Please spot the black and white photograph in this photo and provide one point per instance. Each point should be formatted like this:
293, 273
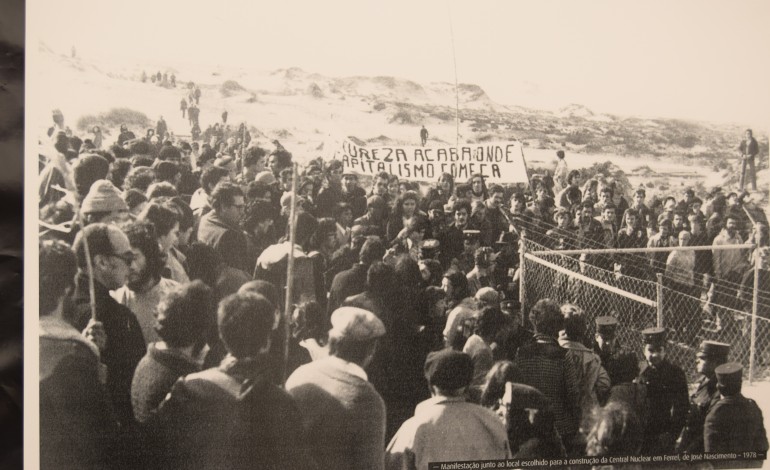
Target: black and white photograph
393, 235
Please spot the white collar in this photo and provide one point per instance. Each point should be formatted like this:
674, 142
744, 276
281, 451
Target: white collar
347, 367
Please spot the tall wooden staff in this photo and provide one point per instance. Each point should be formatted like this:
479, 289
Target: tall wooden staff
289, 304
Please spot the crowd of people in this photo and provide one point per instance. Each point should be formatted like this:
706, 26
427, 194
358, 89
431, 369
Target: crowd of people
164, 340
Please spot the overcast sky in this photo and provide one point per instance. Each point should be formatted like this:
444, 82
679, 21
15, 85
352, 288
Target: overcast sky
702, 59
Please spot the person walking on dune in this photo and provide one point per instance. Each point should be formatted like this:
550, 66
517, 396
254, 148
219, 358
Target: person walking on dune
749, 150
183, 106
423, 136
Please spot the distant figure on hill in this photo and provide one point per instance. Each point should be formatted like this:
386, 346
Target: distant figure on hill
158, 77
183, 106
224, 117
749, 150
423, 136
144, 76
173, 80
165, 78
197, 94
161, 128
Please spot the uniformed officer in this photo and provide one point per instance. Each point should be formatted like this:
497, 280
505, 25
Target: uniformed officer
710, 355
667, 393
734, 423
605, 345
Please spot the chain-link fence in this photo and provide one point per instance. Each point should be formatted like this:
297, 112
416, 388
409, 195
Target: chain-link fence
653, 287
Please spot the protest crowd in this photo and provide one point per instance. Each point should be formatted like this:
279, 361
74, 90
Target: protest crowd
164, 341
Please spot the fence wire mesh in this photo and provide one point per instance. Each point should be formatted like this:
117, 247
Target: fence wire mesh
683, 298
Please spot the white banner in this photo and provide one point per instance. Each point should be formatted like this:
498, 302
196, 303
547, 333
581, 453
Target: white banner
499, 162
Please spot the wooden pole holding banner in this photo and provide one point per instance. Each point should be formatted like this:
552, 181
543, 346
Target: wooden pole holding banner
289, 304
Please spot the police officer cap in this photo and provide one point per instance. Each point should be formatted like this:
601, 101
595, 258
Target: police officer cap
429, 247
729, 374
356, 323
606, 325
449, 369
713, 350
655, 336
471, 234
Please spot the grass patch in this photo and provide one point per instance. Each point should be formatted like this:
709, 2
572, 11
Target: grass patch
114, 118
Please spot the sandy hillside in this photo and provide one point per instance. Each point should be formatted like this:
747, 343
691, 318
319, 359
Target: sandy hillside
303, 110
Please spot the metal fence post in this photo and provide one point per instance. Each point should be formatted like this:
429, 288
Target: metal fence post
522, 272
659, 288
754, 304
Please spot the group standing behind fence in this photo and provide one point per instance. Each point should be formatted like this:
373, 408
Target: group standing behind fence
164, 321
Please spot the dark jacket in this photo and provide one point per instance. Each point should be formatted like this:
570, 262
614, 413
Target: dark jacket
543, 365
667, 392
230, 242
750, 148
220, 418
346, 284
77, 427
125, 343
701, 402
734, 424
356, 199
156, 373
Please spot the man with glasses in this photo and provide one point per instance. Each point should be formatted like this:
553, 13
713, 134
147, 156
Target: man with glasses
220, 227
111, 260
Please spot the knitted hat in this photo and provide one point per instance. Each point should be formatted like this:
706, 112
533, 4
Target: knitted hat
448, 369
103, 197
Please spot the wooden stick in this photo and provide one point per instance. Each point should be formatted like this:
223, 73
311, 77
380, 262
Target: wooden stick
289, 305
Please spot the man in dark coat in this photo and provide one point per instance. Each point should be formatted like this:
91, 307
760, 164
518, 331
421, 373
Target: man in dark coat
542, 364
734, 424
490, 218
711, 354
77, 427
111, 258
353, 280
353, 194
749, 150
231, 416
219, 228
667, 392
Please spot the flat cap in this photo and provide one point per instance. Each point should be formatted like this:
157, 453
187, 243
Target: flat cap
356, 323
429, 248
449, 369
713, 350
729, 374
606, 325
471, 234
655, 336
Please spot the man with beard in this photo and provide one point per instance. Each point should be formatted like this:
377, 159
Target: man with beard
667, 392
145, 285
490, 218
112, 261
353, 194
